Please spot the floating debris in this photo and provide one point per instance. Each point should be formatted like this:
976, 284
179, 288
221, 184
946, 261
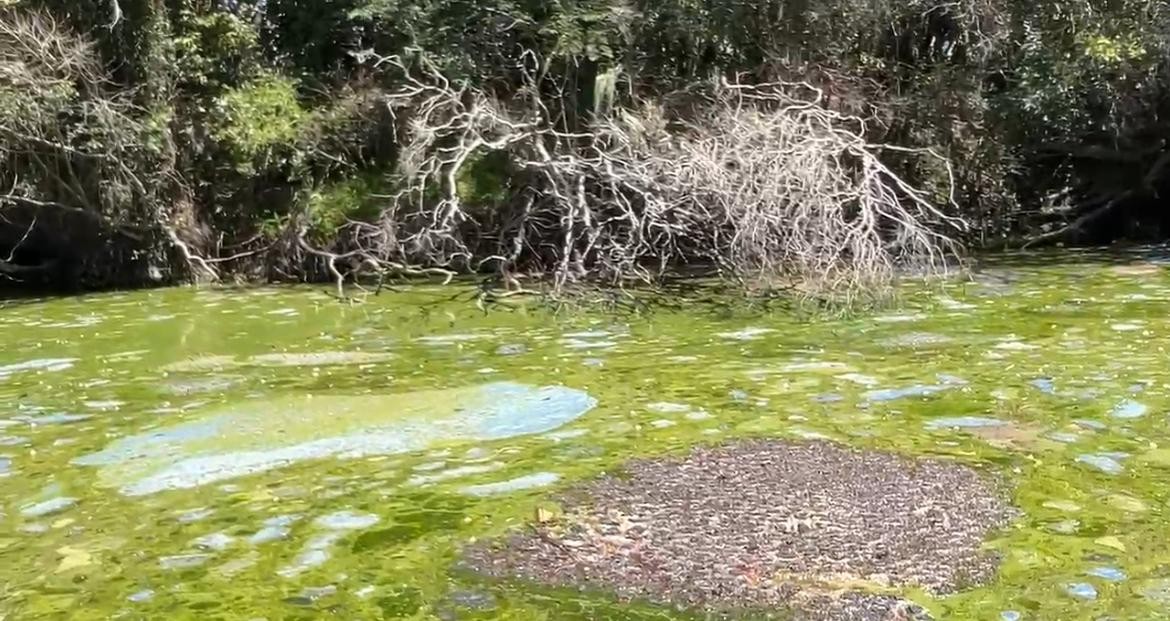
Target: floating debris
566, 434
109, 404
1067, 506
588, 334
73, 558
1065, 527
1157, 590
312, 594
952, 304
430, 466
946, 382
1094, 425
1126, 503
571, 343
469, 600
686, 531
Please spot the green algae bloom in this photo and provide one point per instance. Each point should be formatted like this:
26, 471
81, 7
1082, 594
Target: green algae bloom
1051, 374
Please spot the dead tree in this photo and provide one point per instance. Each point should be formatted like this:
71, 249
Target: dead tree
761, 182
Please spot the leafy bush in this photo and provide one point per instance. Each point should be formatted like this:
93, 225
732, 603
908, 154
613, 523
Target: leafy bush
330, 207
233, 114
262, 124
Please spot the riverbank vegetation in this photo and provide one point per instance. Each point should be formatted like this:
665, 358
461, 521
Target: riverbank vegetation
823, 145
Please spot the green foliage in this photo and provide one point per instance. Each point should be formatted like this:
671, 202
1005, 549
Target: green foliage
262, 123
361, 197
256, 111
216, 50
483, 181
597, 30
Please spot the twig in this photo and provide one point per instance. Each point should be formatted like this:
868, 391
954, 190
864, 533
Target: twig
189, 256
23, 238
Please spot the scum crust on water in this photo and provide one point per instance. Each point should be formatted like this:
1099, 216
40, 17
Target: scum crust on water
818, 529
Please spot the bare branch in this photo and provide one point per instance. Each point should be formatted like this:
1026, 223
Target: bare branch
763, 182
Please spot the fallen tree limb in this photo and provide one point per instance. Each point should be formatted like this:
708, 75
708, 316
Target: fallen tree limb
762, 182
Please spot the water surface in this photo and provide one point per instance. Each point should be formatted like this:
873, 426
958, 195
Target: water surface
270, 453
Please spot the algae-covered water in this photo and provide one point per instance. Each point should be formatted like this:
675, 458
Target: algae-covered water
273, 454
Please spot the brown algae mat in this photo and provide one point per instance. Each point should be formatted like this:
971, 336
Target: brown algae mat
814, 529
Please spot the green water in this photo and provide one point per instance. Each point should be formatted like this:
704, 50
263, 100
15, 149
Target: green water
1069, 357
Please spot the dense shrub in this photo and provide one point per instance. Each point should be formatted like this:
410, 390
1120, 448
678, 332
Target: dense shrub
248, 130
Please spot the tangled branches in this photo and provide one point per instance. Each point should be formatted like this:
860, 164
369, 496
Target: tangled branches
57, 122
760, 182
72, 147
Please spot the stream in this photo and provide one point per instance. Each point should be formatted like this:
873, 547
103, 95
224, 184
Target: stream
270, 453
